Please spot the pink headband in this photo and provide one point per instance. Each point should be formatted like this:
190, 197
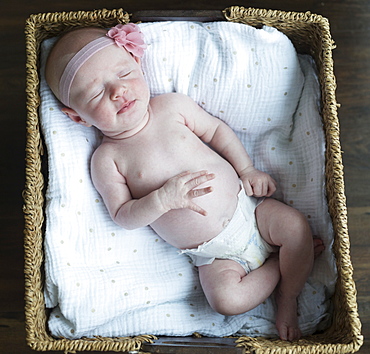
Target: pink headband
126, 36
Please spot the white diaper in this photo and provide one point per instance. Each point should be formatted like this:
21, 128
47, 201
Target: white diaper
240, 241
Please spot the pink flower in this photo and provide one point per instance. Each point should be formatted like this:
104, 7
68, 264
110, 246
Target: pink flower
130, 37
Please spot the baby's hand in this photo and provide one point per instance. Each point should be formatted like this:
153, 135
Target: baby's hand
178, 192
257, 183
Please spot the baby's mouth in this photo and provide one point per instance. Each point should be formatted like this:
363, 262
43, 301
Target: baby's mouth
126, 107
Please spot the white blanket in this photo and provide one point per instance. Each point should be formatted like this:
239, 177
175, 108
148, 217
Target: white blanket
104, 280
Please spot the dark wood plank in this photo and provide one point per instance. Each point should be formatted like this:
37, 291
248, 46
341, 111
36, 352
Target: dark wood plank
350, 29
190, 345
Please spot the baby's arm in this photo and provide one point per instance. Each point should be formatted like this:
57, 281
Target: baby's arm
228, 145
178, 192
223, 139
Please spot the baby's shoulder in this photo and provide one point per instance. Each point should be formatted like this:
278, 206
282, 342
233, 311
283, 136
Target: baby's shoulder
103, 154
104, 162
172, 99
171, 105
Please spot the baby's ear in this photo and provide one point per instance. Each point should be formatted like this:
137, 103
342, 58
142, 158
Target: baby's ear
71, 113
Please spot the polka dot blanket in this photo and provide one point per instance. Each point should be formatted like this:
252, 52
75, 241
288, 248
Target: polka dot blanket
103, 280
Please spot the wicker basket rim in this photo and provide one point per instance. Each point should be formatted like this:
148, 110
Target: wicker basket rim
37, 336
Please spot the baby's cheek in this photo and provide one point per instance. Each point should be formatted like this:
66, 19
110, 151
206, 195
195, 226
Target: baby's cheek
143, 87
102, 111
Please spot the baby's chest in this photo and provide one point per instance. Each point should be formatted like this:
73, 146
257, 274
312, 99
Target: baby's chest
155, 159
164, 145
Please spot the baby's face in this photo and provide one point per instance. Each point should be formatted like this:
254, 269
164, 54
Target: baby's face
109, 92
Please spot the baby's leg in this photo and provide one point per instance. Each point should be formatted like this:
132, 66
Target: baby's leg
287, 228
230, 291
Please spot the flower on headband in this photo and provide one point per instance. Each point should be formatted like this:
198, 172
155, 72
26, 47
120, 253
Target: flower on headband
130, 37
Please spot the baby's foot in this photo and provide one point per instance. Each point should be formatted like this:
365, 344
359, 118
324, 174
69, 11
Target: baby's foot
287, 318
318, 246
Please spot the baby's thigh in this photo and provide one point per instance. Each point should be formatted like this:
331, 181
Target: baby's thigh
219, 273
276, 221
221, 283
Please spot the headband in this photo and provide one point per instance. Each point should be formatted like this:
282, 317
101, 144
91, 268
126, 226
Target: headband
126, 36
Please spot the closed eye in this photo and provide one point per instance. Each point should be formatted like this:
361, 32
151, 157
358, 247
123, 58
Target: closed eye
98, 94
124, 74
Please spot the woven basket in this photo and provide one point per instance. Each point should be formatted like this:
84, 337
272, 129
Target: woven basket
310, 34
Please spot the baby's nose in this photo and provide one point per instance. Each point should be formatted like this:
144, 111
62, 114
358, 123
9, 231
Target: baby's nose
117, 91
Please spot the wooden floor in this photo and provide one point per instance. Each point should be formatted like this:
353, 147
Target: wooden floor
350, 27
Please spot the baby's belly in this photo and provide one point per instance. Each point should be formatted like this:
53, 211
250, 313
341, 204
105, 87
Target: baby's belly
184, 228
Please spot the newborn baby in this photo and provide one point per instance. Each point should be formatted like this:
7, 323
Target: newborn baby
167, 163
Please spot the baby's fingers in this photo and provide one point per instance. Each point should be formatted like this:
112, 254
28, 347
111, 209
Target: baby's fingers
271, 188
248, 189
198, 178
197, 209
194, 193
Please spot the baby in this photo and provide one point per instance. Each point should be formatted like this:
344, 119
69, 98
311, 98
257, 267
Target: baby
167, 163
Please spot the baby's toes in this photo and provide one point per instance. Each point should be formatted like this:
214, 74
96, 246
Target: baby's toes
283, 332
294, 333
318, 247
289, 333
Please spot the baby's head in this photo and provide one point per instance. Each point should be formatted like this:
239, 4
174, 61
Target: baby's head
97, 75
74, 48
63, 51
